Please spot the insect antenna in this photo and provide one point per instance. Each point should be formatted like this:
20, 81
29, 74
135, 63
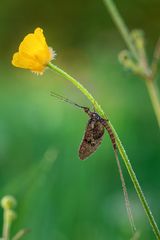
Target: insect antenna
60, 97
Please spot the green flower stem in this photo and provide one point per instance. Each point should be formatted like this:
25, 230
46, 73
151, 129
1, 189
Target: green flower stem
153, 92
79, 86
119, 144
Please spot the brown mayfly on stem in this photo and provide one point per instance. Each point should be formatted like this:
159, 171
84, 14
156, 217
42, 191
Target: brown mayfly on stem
94, 131
92, 139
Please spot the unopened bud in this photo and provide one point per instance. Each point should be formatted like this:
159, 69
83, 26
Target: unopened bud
126, 60
8, 202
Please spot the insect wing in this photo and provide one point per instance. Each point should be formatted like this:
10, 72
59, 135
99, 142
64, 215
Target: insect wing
92, 138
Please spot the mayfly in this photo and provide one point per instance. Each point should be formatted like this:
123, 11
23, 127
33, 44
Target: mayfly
94, 132
92, 139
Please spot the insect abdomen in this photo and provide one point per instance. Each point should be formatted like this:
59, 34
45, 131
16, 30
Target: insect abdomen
110, 132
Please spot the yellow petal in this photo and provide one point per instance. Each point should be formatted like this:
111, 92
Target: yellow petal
34, 53
21, 61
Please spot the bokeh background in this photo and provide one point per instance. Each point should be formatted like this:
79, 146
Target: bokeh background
60, 197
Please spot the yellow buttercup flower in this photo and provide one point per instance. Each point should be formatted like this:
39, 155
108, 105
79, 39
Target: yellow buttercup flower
33, 53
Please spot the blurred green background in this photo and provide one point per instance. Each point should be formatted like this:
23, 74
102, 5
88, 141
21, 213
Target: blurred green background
60, 197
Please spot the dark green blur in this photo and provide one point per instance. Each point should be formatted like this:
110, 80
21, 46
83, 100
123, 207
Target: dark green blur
60, 197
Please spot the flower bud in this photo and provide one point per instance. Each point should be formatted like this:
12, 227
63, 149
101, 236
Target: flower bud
127, 61
8, 202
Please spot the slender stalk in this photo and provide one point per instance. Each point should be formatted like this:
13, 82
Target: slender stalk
20, 234
6, 226
121, 26
119, 144
153, 92
79, 86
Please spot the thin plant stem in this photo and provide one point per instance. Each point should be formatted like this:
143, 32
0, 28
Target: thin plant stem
153, 92
121, 26
123, 29
20, 234
79, 86
6, 226
119, 144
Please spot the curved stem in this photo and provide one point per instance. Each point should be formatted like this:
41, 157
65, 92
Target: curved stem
119, 144
153, 92
79, 86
